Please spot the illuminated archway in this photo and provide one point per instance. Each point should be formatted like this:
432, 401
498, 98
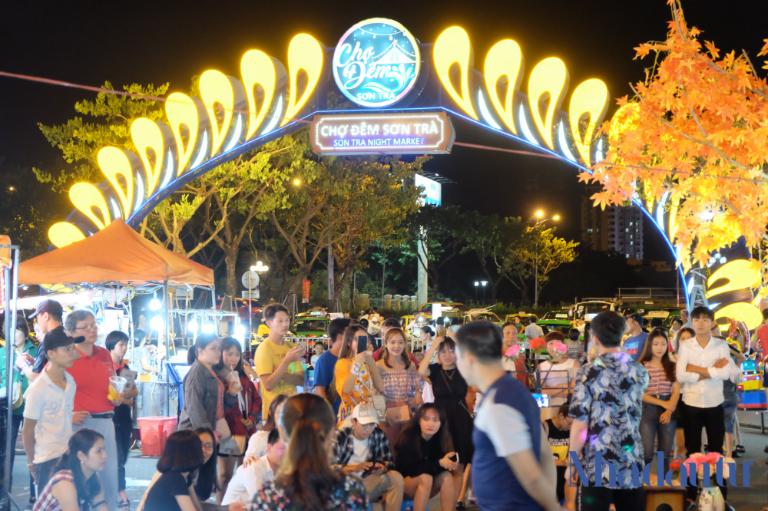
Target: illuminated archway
268, 100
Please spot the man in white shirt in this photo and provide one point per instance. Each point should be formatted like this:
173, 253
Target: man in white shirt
50, 400
533, 331
250, 477
703, 364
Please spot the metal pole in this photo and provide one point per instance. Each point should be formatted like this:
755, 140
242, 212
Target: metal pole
331, 290
250, 315
167, 348
383, 275
11, 294
536, 277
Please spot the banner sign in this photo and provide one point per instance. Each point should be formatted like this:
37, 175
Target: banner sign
396, 133
432, 196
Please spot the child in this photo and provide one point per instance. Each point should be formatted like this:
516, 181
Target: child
558, 430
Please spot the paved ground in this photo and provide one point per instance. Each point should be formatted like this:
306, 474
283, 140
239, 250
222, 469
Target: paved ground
754, 498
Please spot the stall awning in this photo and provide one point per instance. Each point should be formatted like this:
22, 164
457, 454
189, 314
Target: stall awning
116, 254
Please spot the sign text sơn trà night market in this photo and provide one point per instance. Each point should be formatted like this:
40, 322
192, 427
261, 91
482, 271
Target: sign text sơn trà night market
397, 133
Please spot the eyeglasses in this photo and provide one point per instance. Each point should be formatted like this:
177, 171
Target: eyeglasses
91, 326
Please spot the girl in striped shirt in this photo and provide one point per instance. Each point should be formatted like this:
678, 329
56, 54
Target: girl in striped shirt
660, 398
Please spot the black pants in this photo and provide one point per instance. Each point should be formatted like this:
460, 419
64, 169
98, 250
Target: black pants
694, 420
123, 436
15, 426
600, 499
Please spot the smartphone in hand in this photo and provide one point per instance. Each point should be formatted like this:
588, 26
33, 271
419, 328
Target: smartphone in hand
362, 343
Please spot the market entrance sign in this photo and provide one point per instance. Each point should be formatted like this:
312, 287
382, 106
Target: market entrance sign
376, 63
404, 133
380, 69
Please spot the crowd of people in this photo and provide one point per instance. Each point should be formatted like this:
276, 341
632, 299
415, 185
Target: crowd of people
376, 425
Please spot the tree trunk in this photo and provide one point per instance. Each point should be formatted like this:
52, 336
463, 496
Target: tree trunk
230, 259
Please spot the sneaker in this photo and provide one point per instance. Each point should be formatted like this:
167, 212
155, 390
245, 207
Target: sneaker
740, 449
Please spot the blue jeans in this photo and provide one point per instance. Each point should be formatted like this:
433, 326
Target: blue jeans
651, 429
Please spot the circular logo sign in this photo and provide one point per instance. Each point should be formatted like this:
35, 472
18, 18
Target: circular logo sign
376, 63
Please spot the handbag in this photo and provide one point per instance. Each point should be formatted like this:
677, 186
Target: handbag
233, 446
398, 414
222, 429
17, 396
380, 403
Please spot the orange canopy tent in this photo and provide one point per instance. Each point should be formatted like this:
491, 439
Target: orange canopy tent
116, 254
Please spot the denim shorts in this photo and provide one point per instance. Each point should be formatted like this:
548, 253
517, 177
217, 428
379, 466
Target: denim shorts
729, 411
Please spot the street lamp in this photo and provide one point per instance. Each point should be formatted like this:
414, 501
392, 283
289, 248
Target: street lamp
540, 216
483, 283
477, 285
258, 268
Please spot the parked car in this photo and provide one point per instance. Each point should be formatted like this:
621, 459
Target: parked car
481, 314
556, 320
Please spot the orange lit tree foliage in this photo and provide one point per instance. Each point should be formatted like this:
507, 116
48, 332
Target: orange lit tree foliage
697, 127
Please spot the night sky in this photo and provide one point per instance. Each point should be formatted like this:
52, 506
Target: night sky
90, 42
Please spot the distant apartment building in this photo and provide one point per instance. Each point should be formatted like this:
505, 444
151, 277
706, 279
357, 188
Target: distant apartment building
615, 229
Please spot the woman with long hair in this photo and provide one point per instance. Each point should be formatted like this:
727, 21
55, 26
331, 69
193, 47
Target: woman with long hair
75, 484
117, 344
450, 390
660, 398
206, 483
683, 335
203, 389
178, 465
356, 374
425, 457
242, 405
402, 384
306, 480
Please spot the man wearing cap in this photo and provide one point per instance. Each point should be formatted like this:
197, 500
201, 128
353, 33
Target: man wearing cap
363, 450
48, 319
634, 343
50, 401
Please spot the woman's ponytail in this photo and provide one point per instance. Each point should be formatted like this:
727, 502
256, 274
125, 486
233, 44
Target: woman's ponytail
306, 475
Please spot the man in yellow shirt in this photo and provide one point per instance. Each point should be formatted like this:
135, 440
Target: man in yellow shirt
277, 361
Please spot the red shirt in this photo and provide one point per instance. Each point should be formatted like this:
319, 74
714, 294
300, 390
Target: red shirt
92, 375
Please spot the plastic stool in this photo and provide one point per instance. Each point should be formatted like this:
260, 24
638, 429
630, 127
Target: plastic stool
407, 505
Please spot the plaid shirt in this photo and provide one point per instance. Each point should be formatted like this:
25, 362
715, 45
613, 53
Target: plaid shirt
378, 448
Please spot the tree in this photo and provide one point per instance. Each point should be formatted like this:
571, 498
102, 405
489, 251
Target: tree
488, 236
694, 129
371, 200
537, 253
104, 121
220, 206
246, 190
21, 217
443, 230
342, 203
